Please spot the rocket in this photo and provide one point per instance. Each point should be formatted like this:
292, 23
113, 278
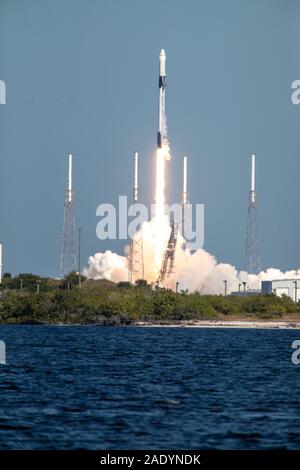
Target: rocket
161, 98
162, 134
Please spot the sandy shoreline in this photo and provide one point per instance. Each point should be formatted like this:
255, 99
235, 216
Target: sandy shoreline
226, 324
250, 324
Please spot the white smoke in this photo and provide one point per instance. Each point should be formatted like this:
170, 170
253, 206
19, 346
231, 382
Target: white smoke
198, 271
108, 265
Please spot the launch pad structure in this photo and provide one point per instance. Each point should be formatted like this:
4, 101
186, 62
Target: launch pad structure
169, 255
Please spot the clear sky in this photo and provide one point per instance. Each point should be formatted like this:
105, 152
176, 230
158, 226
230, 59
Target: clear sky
81, 77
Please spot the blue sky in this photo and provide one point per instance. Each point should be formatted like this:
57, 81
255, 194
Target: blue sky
81, 77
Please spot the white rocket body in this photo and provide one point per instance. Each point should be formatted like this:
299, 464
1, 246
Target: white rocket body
162, 63
162, 134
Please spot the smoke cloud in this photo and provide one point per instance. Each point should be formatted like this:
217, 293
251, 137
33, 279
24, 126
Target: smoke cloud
198, 271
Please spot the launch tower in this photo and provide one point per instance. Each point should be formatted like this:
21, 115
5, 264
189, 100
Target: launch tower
252, 259
136, 255
68, 258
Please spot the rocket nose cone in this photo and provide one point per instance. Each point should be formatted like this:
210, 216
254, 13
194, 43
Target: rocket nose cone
162, 54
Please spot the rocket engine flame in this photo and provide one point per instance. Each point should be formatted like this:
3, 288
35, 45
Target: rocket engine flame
159, 219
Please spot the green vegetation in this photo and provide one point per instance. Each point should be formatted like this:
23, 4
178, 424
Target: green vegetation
28, 298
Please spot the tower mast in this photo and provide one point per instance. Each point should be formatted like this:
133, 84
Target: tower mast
136, 255
68, 258
252, 258
184, 196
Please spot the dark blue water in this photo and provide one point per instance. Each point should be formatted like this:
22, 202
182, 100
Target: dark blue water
117, 388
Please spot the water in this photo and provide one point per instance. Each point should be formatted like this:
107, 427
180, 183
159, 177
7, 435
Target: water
144, 388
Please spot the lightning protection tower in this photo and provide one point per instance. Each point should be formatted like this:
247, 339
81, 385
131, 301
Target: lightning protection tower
68, 258
184, 198
136, 255
252, 260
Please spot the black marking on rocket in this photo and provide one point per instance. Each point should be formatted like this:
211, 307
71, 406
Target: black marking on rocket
159, 140
162, 82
